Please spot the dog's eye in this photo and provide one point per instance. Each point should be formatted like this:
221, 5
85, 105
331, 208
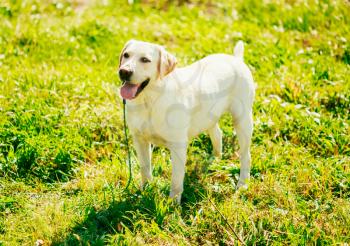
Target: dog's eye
126, 55
145, 60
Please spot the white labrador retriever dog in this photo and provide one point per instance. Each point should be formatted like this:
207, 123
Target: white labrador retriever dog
168, 106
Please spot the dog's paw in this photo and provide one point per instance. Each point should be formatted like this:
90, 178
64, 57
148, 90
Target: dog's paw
175, 197
242, 185
217, 154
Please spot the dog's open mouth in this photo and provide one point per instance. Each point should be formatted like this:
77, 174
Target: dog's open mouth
130, 91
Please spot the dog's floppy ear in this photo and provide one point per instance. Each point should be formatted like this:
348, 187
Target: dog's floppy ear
122, 52
166, 63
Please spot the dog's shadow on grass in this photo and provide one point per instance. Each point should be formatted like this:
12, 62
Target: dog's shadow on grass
122, 213
114, 219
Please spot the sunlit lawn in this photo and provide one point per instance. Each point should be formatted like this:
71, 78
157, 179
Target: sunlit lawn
62, 152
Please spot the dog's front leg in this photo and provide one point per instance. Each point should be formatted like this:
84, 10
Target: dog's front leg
178, 161
144, 153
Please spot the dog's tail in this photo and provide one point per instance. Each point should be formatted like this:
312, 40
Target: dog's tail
239, 50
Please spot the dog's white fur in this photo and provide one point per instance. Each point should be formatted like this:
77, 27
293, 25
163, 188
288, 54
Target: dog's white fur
180, 103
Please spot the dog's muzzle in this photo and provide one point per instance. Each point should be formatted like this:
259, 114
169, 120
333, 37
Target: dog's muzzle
130, 91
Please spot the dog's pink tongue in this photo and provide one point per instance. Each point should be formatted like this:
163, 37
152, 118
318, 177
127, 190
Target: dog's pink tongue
128, 91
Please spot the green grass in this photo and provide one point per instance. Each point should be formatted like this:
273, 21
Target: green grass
62, 155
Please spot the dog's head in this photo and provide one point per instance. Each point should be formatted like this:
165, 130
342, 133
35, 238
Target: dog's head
142, 63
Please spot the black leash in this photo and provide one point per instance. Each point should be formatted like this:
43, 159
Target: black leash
127, 146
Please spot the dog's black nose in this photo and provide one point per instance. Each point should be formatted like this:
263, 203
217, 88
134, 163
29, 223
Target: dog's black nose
125, 74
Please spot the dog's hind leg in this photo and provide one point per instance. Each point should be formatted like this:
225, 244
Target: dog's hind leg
216, 140
243, 124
